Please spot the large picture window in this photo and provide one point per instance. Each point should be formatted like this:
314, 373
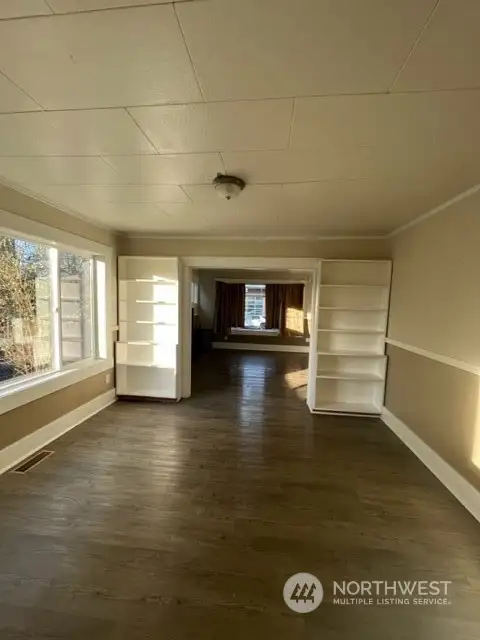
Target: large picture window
255, 306
50, 313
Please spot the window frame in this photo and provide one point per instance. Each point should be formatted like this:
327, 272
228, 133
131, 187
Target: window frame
25, 389
267, 333
94, 338
254, 298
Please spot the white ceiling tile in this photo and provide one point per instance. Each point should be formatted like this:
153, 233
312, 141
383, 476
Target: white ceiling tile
56, 170
130, 209
19, 8
448, 53
336, 162
129, 216
221, 217
371, 206
348, 165
100, 59
253, 194
91, 132
72, 6
387, 121
217, 126
294, 165
13, 99
366, 206
168, 169
161, 218
282, 48
116, 193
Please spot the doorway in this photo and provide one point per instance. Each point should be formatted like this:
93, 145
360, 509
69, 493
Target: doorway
251, 340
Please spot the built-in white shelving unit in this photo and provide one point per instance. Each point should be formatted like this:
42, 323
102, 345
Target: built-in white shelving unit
147, 352
347, 349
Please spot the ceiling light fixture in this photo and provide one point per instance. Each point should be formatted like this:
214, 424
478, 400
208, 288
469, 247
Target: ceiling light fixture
228, 187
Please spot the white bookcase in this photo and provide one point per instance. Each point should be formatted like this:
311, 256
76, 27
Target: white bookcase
347, 348
147, 352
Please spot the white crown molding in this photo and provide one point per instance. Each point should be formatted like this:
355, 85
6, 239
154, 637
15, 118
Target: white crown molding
452, 362
435, 210
156, 236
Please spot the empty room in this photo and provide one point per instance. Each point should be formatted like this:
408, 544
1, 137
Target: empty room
239, 319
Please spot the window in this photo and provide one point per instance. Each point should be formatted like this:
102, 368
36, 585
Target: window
255, 306
25, 303
76, 308
194, 292
51, 313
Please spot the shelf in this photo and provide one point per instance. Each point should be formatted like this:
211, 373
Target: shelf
157, 303
144, 280
142, 364
354, 331
149, 322
143, 342
348, 407
360, 354
354, 261
356, 286
345, 375
351, 325
377, 309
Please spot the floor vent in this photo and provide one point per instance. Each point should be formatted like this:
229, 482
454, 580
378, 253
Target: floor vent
32, 462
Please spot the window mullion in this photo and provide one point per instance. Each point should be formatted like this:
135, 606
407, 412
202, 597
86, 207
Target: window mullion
100, 297
55, 309
94, 308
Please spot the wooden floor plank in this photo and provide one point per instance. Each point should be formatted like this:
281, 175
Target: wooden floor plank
184, 521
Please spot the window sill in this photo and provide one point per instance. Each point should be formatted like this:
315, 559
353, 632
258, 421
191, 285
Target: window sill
22, 392
266, 333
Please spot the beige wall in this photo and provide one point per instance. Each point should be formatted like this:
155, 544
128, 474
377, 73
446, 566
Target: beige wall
27, 207
26, 419
435, 305
22, 421
350, 249
435, 302
440, 403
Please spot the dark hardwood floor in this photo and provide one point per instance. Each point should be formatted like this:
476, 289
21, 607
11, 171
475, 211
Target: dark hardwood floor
179, 522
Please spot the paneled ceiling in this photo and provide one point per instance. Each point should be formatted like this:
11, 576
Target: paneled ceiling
345, 117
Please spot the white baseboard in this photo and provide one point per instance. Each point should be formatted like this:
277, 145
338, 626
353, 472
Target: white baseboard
13, 454
463, 491
253, 346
